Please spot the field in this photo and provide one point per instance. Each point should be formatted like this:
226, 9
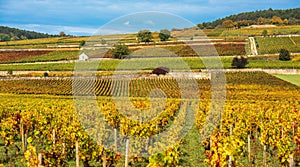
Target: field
194, 63
47, 120
37, 56
269, 45
7, 56
279, 30
55, 111
294, 79
43, 43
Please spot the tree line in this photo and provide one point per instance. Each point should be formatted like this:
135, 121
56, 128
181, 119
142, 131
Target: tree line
289, 16
11, 34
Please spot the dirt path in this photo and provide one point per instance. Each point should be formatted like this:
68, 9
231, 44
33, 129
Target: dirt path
253, 46
177, 74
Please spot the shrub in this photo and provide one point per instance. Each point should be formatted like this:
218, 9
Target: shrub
81, 43
264, 33
239, 62
46, 74
120, 51
161, 70
10, 72
284, 55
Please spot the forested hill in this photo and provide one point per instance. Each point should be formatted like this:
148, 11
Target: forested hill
292, 16
7, 34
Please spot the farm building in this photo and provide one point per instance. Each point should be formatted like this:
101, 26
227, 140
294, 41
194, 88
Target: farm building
83, 57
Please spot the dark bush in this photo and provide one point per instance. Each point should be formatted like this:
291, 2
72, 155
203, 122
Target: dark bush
160, 70
239, 62
46, 74
284, 55
9, 72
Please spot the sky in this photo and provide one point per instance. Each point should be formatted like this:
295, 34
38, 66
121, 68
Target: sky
85, 17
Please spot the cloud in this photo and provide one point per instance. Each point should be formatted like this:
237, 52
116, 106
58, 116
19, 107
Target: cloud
149, 23
95, 13
126, 23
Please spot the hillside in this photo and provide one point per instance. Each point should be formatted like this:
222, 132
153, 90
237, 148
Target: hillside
8, 34
249, 18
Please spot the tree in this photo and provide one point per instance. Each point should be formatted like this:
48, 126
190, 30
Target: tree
164, 35
285, 21
239, 62
201, 26
264, 33
81, 43
276, 20
144, 36
228, 24
62, 34
260, 21
4, 37
120, 51
284, 55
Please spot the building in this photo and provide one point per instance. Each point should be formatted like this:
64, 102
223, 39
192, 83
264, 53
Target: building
83, 57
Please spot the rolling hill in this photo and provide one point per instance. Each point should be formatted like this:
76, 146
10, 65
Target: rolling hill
292, 15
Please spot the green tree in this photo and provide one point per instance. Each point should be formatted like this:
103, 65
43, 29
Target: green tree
120, 51
264, 33
164, 35
81, 43
201, 26
4, 37
144, 36
284, 55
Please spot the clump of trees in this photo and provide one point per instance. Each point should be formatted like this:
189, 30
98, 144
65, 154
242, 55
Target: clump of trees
164, 35
239, 62
228, 24
144, 36
284, 55
10, 34
120, 51
270, 16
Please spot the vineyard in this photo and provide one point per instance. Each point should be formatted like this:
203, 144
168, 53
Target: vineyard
267, 45
37, 56
174, 63
42, 42
279, 30
6, 56
39, 123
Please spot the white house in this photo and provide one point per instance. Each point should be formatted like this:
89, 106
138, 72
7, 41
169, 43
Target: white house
83, 57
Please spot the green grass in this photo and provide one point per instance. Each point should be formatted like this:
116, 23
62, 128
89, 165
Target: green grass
267, 45
148, 64
192, 149
292, 78
273, 64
